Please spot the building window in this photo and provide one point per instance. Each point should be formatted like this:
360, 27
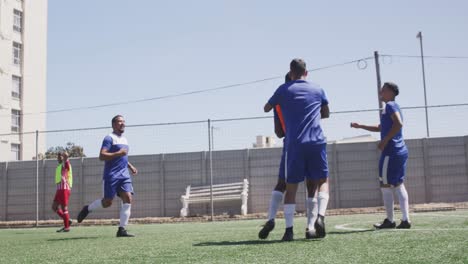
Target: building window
15, 121
17, 53
17, 20
16, 87
15, 151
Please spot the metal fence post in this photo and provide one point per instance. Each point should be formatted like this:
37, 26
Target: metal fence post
466, 159
37, 178
44, 189
427, 177
162, 183
247, 176
5, 191
82, 182
336, 180
210, 170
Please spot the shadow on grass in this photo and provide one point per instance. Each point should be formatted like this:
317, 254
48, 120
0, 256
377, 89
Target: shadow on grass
71, 238
237, 243
350, 232
249, 242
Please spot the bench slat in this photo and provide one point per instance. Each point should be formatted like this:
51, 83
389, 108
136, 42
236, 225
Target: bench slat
214, 193
222, 198
217, 185
217, 189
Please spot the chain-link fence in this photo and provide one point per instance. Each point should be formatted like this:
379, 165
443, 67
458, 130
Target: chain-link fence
174, 155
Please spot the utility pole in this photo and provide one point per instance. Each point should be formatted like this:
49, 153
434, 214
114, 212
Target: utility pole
420, 37
379, 81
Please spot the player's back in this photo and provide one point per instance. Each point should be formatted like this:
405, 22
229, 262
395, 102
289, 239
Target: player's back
397, 144
301, 103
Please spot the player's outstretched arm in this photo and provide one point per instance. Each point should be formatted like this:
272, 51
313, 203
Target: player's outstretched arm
368, 128
105, 155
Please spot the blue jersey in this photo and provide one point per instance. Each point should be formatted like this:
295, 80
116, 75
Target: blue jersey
116, 168
396, 145
301, 103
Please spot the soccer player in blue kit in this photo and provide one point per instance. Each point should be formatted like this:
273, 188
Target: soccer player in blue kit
116, 178
394, 156
303, 105
278, 192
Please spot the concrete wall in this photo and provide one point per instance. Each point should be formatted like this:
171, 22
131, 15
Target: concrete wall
437, 172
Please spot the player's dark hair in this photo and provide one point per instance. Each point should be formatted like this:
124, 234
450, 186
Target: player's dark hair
393, 87
298, 67
287, 78
114, 119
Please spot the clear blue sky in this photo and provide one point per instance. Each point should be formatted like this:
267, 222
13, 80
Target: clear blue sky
108, 51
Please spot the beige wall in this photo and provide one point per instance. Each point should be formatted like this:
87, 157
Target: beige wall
437, 172
33, 72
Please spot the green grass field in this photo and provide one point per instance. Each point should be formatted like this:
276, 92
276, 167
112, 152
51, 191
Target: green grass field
437, 237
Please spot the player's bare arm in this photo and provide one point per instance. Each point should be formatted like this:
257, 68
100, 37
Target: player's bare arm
105, 155
325, 112
132, 169
396, 127
267, 108
366, 127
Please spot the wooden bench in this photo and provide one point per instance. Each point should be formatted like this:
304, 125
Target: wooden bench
221, 192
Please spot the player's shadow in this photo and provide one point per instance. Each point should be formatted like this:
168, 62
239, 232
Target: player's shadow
248, 242
71, 238
350, 232
237, 243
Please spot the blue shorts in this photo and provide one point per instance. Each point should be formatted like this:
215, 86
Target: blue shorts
392, 168
113, 187
304, 161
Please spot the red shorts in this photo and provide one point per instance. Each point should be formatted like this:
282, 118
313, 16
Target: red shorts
62, 196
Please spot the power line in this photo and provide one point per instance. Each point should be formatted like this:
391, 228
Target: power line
225, 120
429, 57
191, 92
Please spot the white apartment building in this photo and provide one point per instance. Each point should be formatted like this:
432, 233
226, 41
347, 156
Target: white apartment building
23, 65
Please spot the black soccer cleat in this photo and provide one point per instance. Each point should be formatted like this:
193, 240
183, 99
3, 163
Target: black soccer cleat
320, 226
288, 235
122, 232
310, 234
83, 214
63, 229
386, 224
267, 228
404, 225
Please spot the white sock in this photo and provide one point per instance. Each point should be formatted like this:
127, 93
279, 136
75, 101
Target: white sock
289, 210
322, 198
276, 198
312, 212
125, 214
387, 194
404, 201
96, 205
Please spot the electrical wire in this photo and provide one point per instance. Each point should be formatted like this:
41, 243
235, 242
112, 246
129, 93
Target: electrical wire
191, 92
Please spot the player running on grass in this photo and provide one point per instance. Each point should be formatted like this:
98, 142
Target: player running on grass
64, 182
394, 156
116, 180
303, 105
280, 188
